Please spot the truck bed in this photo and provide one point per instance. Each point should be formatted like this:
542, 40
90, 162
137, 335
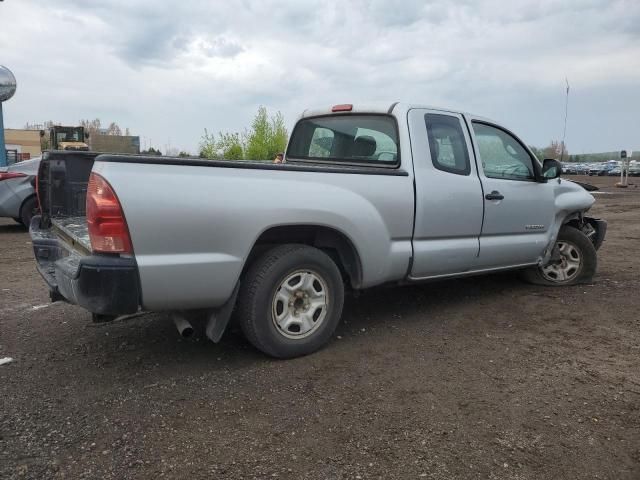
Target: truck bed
62, 190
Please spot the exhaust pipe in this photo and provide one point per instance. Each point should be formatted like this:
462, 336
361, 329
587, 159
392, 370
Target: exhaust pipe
183, 325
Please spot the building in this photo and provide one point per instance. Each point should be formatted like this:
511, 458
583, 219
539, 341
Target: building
25, 144
114, 143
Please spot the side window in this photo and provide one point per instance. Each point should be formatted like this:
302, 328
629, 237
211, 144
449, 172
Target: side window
502, 155
321, 143
447, 144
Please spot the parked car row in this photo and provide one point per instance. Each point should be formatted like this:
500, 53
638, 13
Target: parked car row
611, 168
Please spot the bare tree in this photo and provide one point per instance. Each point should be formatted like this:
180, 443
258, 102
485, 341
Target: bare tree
114, 129
556, 149
91, 126
95, 127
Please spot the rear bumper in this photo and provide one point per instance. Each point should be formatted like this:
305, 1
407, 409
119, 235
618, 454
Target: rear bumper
106, 285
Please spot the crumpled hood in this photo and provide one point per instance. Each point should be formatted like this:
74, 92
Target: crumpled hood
572, 197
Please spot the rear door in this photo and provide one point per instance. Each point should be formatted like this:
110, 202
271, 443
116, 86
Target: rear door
449, 204
518, 209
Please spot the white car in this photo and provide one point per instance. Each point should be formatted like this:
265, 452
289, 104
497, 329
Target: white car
17, 193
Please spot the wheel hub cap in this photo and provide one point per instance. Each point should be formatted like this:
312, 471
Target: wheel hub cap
566, 263
300, 304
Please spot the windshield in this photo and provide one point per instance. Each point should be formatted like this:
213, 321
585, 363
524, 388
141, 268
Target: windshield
70, 136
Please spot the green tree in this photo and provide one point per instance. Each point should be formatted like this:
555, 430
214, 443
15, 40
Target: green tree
228, 146
259, 137
279, 135
267, 136
208, 145
151, 151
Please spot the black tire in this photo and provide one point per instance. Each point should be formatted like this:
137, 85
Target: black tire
579, 244
28, 210
17, 220
257, 303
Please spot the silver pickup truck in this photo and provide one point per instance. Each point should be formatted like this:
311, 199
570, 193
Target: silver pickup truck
369, 195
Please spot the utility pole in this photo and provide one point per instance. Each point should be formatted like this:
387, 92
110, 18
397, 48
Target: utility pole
566, 112
7, 89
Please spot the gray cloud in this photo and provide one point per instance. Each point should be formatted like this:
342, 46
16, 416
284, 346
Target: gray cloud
167, 70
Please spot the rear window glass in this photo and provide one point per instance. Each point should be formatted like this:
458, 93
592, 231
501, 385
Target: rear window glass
371, 139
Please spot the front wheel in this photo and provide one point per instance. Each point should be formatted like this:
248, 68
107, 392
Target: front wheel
290, 301
573, 261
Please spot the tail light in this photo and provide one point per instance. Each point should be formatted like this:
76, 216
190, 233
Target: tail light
108, 229
8, 175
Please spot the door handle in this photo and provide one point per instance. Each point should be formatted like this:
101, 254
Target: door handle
495, 195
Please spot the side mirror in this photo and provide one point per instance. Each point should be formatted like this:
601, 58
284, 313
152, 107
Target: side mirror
551, 169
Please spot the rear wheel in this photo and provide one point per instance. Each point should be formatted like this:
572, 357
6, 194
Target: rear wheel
290, 301
573, 261
17, 220
28, 210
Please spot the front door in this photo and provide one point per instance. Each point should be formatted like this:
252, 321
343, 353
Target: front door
518, 209
448, 210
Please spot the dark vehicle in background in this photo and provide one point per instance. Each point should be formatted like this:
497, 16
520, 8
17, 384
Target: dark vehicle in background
582, 169
600, 170
17, 191
594, 170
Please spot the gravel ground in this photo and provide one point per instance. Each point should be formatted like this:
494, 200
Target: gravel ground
476, 378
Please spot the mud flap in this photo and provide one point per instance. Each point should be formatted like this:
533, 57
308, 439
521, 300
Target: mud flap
219, 319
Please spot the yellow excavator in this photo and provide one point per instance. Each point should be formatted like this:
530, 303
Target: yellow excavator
67, 138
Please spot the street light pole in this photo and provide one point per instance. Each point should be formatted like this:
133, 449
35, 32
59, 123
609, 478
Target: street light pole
7, 89
3, 148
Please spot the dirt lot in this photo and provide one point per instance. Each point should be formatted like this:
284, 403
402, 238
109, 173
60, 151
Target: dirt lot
476, 378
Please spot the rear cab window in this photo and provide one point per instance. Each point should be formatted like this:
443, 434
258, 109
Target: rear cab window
352, 139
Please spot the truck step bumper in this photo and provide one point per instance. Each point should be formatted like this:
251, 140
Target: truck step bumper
105, 285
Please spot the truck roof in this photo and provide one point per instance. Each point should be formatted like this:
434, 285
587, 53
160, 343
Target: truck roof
398, 108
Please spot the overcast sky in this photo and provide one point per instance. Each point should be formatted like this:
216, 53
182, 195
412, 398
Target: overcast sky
167, 70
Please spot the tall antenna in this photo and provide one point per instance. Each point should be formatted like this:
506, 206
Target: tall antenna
566, 111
